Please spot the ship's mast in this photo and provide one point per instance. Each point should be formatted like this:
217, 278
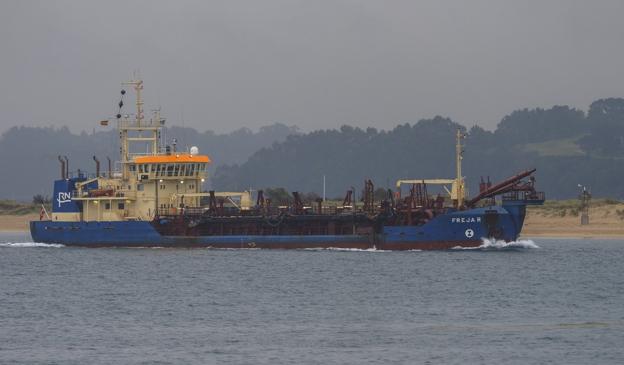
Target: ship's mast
138, 86
459, 151
126, 126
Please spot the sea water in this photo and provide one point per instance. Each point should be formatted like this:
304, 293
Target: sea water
529, 302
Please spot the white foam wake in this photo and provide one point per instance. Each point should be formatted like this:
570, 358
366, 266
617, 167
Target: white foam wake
30, 244
494, 244
346, 249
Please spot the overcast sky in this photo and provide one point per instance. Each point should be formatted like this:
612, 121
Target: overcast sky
223, 65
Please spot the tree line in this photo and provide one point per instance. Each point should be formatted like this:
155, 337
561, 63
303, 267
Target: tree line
566, 145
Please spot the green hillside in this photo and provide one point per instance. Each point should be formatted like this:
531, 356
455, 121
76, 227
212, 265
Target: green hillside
556, 147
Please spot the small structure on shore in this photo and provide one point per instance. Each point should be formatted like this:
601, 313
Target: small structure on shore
585, 198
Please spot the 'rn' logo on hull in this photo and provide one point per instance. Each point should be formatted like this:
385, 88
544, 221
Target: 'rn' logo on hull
63, 197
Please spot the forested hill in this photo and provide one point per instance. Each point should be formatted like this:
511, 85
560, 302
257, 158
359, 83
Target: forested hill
567, 147
29, 155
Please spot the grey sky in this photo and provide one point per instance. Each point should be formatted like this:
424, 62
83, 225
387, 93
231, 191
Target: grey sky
315, 64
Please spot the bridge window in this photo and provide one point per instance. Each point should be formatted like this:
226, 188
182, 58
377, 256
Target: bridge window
107, 206
120, 206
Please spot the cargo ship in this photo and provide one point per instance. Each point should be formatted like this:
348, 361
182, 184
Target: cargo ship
154, 198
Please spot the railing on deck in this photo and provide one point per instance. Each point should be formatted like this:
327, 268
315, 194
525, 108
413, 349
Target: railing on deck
233, 211
104, 193
524, 196
92, 175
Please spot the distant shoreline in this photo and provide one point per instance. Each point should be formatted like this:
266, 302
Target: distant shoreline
16, 223
605, 222
524, 236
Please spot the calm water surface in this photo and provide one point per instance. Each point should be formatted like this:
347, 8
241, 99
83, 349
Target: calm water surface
561, 302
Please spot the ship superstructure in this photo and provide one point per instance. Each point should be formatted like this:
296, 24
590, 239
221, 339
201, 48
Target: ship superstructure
150, 179
154, 197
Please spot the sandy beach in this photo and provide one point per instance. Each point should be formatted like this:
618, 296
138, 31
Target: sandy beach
604, 222
16, 223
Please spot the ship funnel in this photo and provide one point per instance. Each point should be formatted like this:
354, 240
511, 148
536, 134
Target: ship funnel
66, 167
97, 166
110, 169
63, 176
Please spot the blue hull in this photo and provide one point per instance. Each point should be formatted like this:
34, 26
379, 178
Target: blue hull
459, 228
